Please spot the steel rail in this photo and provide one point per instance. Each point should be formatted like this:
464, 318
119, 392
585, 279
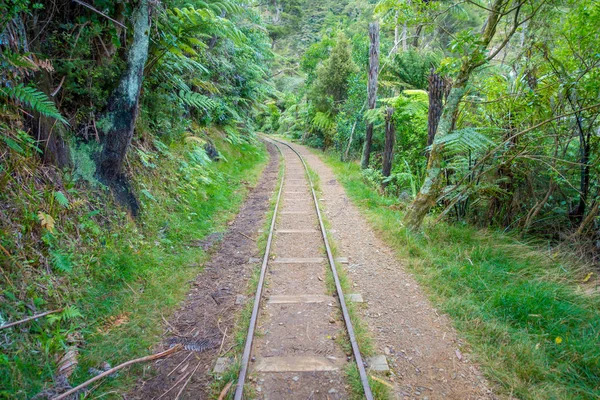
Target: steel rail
338, 287
350, 329
239, 390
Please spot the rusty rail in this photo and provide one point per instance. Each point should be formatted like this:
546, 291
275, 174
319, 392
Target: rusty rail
349, 328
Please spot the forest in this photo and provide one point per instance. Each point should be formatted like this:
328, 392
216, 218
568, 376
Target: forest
464, 130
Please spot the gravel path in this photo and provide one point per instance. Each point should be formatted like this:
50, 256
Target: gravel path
420, 344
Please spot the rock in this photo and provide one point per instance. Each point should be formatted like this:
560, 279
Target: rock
222, 365
378, 363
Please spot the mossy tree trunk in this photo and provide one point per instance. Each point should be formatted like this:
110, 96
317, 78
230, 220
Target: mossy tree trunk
390, 141
432, 186
119, 119
371, 89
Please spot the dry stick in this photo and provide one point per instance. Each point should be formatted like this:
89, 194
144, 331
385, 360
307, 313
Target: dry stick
246, 236
30, 318
111, 371
100, 12
223, 341
188, 380
179, 365
225, 390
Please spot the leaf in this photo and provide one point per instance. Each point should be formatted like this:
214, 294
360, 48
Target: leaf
61, 261
13, 145
61, 199
46, 221
35, 99
587, 277
558, 340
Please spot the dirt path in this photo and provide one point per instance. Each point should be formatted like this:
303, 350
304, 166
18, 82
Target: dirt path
210, 309
421, 346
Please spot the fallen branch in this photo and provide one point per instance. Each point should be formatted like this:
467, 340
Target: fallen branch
111, 371
30, 318
225, 390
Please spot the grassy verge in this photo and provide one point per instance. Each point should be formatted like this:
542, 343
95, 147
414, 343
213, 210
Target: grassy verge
123, 277
523, 312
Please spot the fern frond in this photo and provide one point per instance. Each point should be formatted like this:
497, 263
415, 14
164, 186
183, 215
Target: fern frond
38, 101
197, 100
464, 140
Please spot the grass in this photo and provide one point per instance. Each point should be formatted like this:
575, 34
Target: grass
125, 277
529, 324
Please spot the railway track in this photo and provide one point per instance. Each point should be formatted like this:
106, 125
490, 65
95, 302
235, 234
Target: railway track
297, 356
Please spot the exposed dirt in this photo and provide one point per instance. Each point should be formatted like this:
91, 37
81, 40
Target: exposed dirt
210, 309
420, 344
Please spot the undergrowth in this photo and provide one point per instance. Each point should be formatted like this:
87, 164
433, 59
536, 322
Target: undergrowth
64, 243
524, 312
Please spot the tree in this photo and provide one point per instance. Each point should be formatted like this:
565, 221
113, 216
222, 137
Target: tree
331, 85
119, 119
475, 49
371, 89
390, 140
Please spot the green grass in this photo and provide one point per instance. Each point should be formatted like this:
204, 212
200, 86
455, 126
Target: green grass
512, 301
140, 271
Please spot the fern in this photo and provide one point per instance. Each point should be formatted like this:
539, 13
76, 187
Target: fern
197, 100
323, 121
35, 99
61, 261
463, 141
61, 199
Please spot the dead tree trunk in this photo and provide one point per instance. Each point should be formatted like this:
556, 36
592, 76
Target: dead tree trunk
390, 140
437, 89
122, 108
371, 89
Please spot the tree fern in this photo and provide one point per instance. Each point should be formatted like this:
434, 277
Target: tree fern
35, 99
464, 140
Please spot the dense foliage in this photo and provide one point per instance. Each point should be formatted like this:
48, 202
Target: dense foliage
520, 149
195, 75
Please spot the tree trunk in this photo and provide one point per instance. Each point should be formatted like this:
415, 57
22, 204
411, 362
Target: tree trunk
390, 140
121, 114
50, 134
396, 35
437, 89
417, 36
371, 88
432, 185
